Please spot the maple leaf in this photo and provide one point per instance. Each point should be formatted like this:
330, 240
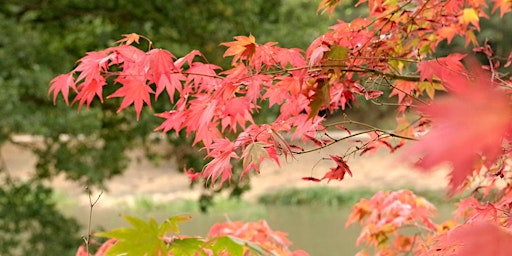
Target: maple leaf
317, 55
143, 238
292, 56
203, 76
430, 88
282, 90
504, 6
91, 66
173, 121
100, 252
61, 84
328, 5
280, 144
473, 120
447, 32
470, 15
338, 172
320, 98
372, 94
161, 71
236, 110
192, 175
87, 91
223, 150
188, 58
402, 89
442, 68
311, 179
242, 48
475, 238
253, 156
134, 90
129, 39
201, 112
90, 82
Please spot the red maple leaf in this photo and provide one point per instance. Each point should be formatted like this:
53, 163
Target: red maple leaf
162, 72
482, 238
61, 84
192, 175
447, 32
90, 82
338, 172
203, 76
173, 121
134, 90
222, 151
88, 89
472, 121
442, 68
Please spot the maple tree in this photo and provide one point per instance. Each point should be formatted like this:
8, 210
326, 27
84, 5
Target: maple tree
390, 53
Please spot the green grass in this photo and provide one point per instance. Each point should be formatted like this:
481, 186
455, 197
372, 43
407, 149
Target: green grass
314, 196
332, 197
321, 196
235, 208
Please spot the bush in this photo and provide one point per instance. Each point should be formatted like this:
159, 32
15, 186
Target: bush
31, 223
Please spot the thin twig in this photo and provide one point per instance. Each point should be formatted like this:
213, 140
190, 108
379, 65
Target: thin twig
87, 239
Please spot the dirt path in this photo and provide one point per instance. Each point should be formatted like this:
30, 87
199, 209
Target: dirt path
164, 183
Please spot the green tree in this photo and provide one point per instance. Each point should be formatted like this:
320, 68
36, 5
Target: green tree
42, 38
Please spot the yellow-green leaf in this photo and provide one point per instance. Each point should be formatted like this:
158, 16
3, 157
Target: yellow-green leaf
254, 153
430, 88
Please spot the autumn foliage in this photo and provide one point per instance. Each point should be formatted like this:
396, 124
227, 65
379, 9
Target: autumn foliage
450, 110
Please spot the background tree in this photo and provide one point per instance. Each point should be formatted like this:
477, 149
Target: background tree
394, 48
42, 38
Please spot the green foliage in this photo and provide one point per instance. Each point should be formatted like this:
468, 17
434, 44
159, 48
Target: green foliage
143, 237
149, 238
30, 223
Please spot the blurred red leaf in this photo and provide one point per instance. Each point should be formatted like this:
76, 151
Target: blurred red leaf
311, 179
481, 238
472, 121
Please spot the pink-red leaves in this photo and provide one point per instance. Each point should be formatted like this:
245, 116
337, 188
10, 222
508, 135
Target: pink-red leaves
483, 238
87, 90
386, 212
160, 67
61, 84
442, 68
223, 150
504, 6
173, 121
338, 172
134, 91
472, 121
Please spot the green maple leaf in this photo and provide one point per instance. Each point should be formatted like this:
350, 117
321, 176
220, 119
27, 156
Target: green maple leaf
144, 238
235, 246
187, 247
